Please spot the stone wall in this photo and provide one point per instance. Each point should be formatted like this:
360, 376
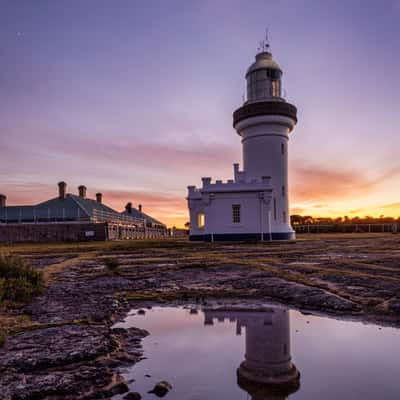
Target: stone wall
74, 232
52, 232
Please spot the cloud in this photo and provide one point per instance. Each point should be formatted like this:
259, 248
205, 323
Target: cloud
154, 155
311, 183
21, 193
391, 205
149, 200
323, 205
296, 210
168, 208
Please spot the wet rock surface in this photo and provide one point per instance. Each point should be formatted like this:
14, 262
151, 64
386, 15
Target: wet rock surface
133, 396
161, 388
68, 362
53, 347
74, 353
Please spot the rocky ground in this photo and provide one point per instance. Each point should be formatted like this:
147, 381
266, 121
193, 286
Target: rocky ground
66, 347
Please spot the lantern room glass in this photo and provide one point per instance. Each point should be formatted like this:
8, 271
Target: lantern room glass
264, 84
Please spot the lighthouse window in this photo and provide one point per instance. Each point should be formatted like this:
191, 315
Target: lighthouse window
200, 220
236, 213
274, 208
276, 90
275, 74
284, 216
260, 75
283, 148
283, 191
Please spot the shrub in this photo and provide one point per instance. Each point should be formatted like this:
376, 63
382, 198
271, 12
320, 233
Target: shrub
2, 338
112, 264
19, 282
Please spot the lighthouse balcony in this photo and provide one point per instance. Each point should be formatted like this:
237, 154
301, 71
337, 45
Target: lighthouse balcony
257, 109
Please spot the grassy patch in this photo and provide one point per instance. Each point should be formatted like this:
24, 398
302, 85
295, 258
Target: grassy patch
101, 247
112, 264
2, 338
19, 282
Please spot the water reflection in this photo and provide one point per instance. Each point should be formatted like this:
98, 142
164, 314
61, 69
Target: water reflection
203, 362
267, 371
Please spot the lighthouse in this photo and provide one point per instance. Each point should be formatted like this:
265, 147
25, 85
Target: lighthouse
255, 204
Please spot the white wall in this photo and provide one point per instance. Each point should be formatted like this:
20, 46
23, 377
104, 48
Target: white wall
262, 140
268, 343
255, 213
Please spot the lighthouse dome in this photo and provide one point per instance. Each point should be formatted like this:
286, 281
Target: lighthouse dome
264, 79
263, 61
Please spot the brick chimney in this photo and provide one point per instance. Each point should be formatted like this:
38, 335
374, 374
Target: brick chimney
82, 191
128, 207
140, 207
3, 199
99, 197
62, 190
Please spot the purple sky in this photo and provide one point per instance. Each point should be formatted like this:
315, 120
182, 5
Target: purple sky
135, 99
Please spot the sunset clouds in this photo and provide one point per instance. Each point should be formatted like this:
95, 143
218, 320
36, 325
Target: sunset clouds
315, 183
323, 191
136, 100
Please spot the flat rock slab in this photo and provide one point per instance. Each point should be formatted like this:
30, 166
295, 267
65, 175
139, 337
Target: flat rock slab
55, 346
67, 362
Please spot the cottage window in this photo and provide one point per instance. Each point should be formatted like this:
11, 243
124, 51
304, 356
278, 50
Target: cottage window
236, 213
200, 220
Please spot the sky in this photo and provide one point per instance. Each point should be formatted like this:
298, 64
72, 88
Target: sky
135, 99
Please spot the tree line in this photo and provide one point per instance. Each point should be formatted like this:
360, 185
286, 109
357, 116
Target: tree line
297, 219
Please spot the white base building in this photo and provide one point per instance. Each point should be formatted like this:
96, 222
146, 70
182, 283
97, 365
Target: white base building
254, 205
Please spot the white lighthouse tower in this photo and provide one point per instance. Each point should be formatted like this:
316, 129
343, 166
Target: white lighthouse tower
255, 204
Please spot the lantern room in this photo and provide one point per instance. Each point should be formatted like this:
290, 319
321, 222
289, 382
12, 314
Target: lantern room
263, 78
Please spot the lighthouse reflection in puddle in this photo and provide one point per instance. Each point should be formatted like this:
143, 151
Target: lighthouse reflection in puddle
267, 371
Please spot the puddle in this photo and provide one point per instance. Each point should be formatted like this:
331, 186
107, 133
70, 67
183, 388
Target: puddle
264, 353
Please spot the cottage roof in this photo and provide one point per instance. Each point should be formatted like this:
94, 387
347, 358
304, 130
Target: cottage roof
72, 207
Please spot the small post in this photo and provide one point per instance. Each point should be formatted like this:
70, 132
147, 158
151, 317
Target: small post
269, 225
